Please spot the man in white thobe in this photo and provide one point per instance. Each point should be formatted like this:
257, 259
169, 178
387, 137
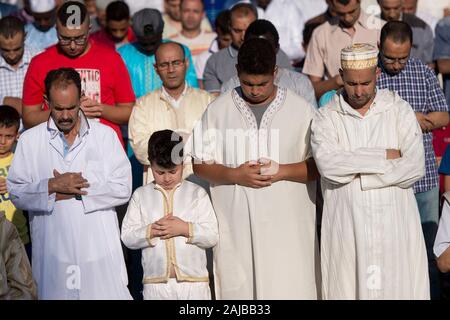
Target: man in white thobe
262, 183
69, 173
368, 148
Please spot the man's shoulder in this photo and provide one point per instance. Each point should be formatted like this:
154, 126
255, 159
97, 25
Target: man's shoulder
371, 22
49, 55
199, 93
414, 21
176, 37
149, 99
102, 51
99, 129
127, 50
417, 66
33, 133
145, 191
298, 76
210, 35
325, 27
298, 103
392, 100
221, 55
443, 24
192, 190
30, 52
221, 104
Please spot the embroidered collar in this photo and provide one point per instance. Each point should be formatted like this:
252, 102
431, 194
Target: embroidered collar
171, 100
259, 139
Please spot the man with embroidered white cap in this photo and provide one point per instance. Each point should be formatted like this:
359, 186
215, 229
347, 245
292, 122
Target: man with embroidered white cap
41, 34
368, 148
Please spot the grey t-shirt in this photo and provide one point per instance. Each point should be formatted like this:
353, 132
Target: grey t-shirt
258, 110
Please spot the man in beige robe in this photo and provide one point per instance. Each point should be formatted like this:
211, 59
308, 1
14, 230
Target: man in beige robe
175, 106
252, 145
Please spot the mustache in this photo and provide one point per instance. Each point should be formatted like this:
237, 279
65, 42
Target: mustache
65, 121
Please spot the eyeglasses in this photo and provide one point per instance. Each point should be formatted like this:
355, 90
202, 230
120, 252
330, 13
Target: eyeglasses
65, 41
387, 60
165, 65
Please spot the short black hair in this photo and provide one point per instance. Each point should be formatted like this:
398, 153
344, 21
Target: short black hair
62, 78
9, 117
203, 3
261, 27
65, 12
257, 56
10, 26
222, 22
397, 31
117, 11
161, 147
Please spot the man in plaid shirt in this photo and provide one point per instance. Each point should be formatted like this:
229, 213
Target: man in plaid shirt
418, 85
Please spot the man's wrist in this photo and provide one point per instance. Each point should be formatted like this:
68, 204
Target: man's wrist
51, 186
232, 175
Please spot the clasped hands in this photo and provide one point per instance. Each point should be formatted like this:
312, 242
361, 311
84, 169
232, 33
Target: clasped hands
91, 108
168, 227
425, 122
258, 174
67, 185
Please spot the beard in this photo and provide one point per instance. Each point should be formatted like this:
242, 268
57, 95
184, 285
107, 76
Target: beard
13, 62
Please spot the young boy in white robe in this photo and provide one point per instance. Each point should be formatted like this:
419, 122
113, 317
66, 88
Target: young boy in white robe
173, 222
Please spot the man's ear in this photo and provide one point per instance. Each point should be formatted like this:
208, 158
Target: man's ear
275, 71
156, 69
46, 99
378, 72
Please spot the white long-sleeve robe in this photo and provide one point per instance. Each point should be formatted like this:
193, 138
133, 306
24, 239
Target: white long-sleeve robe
190, 203
372, 246
77, 252
267, 237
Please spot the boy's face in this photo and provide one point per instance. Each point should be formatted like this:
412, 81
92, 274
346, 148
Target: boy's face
8, 136
167, 178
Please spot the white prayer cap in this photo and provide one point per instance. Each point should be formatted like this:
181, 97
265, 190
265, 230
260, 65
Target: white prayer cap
102, 4
359, 56
41, 6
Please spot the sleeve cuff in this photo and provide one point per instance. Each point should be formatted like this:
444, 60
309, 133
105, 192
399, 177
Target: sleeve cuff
151, 241
373, 181
440, 249
191, 233
51, 198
